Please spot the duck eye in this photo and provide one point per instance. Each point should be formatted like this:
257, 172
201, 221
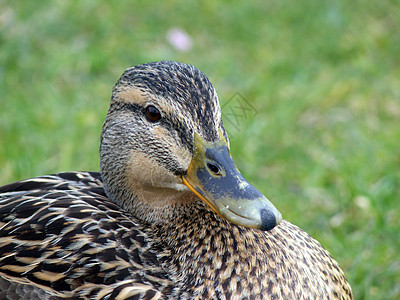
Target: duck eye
152, 113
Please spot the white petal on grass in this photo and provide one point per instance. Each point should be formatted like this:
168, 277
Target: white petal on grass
179, 39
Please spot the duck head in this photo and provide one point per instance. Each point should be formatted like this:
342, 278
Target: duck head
164, 147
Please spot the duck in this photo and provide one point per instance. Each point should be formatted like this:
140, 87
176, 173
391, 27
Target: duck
169, 215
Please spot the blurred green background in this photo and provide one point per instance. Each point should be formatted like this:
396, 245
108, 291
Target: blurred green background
322, 76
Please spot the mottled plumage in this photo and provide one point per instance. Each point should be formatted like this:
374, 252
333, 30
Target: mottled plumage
137, 232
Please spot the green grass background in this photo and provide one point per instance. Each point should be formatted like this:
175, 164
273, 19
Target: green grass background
322, 75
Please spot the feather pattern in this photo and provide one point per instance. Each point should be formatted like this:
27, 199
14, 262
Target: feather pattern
61, 237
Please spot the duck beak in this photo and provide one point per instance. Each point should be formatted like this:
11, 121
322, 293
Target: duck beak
213, 177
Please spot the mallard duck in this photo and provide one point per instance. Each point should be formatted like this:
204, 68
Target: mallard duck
168, 216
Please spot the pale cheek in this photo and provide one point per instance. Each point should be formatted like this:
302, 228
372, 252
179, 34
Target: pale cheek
178, 152
184, 157
142, 171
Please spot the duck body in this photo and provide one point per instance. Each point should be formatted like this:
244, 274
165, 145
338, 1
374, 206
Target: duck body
73, 242
168, 217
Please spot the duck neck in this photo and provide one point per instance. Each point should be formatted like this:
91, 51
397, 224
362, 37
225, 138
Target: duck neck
153, 205
159, 205
202, 243
147, 202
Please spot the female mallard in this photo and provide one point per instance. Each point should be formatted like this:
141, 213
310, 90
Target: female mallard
140, 229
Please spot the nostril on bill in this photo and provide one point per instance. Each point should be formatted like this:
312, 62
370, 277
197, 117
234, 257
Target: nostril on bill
213, 168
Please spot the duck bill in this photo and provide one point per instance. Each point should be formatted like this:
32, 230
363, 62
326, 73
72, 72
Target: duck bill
213, 177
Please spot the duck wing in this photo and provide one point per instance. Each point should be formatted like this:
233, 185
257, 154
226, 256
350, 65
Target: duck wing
61, 237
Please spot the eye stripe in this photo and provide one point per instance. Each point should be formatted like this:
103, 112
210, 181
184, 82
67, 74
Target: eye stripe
172, 124
125, 106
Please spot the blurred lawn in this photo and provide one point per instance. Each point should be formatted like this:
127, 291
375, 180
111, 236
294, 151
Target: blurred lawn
323, 77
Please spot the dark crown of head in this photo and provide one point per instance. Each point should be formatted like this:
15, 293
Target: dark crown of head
173, 80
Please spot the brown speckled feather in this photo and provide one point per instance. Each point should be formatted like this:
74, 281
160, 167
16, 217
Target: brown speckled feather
62, 236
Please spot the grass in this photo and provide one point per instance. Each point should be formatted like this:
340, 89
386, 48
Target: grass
322, 76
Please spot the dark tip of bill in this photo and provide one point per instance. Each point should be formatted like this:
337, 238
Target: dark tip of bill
268, 220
